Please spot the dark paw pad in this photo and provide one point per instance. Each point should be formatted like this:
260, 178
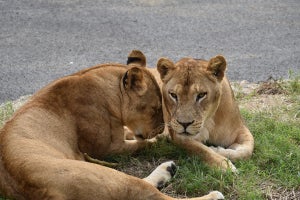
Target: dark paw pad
172, 169
160, 185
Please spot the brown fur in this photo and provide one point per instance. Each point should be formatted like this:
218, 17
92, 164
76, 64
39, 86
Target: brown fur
197, 94
42, 146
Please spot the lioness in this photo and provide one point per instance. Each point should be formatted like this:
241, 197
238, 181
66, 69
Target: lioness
199, 107
42, 147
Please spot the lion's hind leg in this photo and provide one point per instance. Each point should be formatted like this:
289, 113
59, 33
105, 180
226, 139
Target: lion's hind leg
72, 179
54, 178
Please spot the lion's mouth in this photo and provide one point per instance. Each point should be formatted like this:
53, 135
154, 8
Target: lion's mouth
182, 132
186, 133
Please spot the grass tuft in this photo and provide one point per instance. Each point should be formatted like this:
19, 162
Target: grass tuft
6, 111
293, 85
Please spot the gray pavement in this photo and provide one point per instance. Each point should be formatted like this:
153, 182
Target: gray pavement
41, 40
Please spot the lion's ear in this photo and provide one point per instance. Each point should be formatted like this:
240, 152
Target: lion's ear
217, 67
164, 66
136, 57
134, 80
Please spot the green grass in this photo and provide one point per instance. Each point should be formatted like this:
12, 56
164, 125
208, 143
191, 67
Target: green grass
273, 172
273, 166
293, 84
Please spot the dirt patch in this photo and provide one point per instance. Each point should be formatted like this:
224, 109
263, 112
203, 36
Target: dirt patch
270, 87
269, 97
273, 193
263, 102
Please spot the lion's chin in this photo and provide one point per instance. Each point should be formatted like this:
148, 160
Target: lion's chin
186, 133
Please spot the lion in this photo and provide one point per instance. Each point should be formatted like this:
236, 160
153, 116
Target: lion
43, 147
200, 111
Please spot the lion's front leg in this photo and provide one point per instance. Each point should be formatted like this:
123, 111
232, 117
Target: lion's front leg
128, 134
207, 154
242, 148
123, 142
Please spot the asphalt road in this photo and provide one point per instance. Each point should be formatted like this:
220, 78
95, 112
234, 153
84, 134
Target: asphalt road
41, 40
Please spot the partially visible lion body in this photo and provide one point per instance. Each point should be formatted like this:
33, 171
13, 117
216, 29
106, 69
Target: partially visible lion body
42, 145
199, 108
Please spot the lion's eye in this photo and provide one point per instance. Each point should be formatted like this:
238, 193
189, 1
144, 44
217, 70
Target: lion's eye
173, 95
201, 96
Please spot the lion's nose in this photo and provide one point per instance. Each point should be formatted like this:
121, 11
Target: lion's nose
185, 124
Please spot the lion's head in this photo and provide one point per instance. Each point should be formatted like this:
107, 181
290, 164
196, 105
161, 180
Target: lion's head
142, 106
191, 91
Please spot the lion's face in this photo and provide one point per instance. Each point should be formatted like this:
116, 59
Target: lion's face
142, 108
191, 91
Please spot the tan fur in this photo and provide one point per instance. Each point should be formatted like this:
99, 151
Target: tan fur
197, 95
42, 147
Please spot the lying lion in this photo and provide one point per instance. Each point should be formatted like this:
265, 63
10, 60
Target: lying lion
43, 146
199, 107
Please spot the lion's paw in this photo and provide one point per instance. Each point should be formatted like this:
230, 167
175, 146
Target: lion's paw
231, 166
152, 141
162, 174
216, 195
226, 153
227, 164
216, 149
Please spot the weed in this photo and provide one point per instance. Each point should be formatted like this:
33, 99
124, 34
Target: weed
273, 166
6, 110
293, 85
